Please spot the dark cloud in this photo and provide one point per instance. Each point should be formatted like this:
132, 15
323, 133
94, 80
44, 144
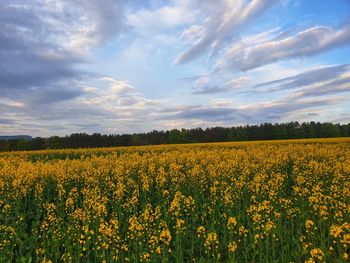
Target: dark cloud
40, 56
28, 59
193, 78
53, 95
43, 47
7, 121
211, 90
180, 108
313, 114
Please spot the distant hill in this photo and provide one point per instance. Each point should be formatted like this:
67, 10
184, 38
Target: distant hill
16, 137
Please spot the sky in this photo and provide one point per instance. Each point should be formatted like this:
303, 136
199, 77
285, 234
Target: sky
126, 66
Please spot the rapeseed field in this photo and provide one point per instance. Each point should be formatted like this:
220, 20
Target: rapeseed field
272, 201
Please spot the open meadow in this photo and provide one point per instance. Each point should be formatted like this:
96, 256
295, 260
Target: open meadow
267, 201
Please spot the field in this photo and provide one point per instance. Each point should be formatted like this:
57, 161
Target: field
272, 201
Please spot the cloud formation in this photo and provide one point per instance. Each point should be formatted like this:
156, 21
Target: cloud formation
225, 18
325, 80
42, 44
206, 85
150, 21
106, 65
309, 77
242, 57
273, 111
109, 107
97, 21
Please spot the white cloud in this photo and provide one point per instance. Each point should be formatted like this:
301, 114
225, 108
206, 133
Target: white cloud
45, 43
118, 86
160, 19
318, 81
96, 21
245, 55
225, 18
207, 86
252, 113
334, 86
193, 33
116, 95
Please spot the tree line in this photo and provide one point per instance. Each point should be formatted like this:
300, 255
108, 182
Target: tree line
266, 131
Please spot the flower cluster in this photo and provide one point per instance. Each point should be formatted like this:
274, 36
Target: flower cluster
222, 202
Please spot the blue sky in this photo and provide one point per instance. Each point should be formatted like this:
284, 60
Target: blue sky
113, 66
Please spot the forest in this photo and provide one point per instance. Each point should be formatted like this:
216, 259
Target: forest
266, 131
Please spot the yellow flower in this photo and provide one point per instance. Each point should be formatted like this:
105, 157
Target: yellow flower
165, 236
309, 224
166, 193
200, 231
146, 257
212, 241
242, 231
180, 225
316, 253
231, 222
268, 226
335, 231
346, 239
232, 246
